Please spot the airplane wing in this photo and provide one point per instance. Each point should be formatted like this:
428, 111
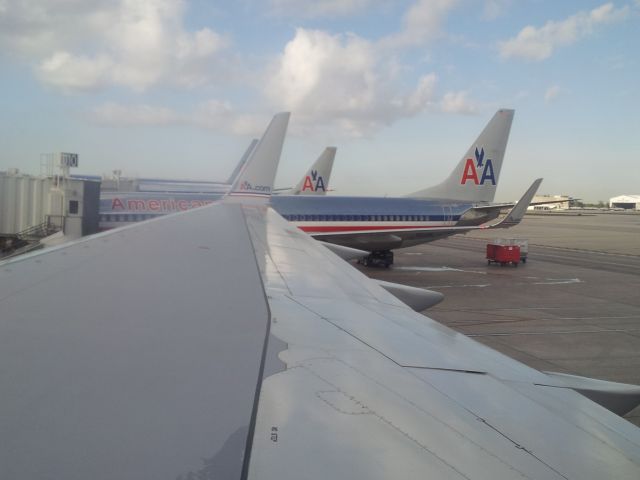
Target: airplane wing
132, 354
371, 389
223, 340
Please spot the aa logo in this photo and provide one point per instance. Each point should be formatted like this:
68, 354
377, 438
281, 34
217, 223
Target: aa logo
254, 188
471, 170
313, 182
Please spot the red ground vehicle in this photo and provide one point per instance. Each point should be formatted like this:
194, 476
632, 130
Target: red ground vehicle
503, 254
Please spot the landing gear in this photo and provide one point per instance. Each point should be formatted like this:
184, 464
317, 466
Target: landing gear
380, 258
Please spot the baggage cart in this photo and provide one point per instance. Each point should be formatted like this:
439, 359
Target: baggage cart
503, 254
523, 243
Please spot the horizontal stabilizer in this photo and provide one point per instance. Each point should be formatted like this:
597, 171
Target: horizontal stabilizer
418, 299
515, 215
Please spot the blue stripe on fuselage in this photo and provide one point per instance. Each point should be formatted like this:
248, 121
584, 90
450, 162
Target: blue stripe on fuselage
324, 206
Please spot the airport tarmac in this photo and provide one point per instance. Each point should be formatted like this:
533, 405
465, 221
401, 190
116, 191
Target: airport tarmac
574, 307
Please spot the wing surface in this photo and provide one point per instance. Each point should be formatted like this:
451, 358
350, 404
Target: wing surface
373, 390
133, 354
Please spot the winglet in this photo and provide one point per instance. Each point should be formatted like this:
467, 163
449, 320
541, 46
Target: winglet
516, 214
316, 180
242, 162
476, 176
256, 179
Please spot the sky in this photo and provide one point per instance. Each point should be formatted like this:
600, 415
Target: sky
177, 89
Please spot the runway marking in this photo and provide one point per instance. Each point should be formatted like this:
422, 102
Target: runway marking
437, 269
428, 269
522, 320
562, 332
459, 286
598, 262
558, 281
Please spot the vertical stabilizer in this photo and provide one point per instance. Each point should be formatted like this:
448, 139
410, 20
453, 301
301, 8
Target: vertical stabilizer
475, 178
316, 180
241, 163
256, 179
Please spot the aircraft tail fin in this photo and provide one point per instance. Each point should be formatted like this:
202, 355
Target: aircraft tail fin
475, 178
316, 180
256, 179
241, 163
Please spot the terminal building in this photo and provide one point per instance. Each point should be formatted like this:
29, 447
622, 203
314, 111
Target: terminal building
550, 202
628, 202
46, 209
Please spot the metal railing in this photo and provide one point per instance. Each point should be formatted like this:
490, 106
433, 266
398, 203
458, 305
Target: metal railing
39, 231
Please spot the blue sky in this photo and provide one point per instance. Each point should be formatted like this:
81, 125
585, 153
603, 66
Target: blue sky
172, 88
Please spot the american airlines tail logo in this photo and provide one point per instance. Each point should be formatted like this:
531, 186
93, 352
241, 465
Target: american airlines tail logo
313, 182
246, 186
472, 168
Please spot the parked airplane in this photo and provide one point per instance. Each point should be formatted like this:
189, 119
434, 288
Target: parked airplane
222, 342
379, 225
154, 199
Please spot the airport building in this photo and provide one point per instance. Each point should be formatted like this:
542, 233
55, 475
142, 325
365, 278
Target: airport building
550, 202
628, 202
36, 208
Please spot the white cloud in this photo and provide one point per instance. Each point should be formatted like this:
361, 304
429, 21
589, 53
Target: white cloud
115, 114
336, 81
90, 44
495, 8
213, 115
539, 43
320, 8
422, 22
552, 93
342, 79
458, 102
74, 72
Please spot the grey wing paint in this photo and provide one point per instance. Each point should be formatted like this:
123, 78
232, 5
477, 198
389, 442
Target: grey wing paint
225, 343
373, 390
116, 352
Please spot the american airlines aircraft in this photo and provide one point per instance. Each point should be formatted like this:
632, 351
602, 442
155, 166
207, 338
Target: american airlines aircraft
159, 197
222, 342
376, 225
